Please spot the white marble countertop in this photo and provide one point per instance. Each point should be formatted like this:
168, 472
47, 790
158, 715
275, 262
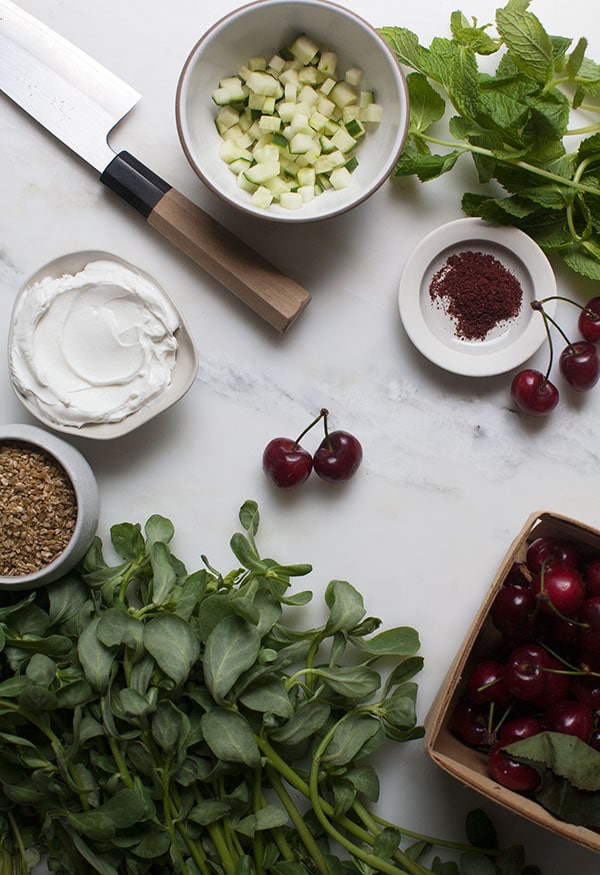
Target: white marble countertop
450, 471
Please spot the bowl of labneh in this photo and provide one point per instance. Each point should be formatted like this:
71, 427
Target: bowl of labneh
96, 347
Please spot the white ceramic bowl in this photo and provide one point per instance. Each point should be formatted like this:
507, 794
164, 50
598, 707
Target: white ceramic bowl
261, 29
86, 492
182, 377
433, 331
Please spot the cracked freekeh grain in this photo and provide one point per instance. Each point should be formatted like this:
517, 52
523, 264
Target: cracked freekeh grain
38, 509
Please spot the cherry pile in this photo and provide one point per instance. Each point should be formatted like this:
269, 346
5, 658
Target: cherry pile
545, 672
286, 463
579, 362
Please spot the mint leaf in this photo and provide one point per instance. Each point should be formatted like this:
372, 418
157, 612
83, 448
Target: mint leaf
472, 36
576, 58
584, 258
426, 104
425, 166
527, 40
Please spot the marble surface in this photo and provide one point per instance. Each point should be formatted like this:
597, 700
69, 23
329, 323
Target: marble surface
450, 471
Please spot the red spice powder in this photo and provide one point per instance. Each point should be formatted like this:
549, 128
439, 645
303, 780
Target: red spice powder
477, 291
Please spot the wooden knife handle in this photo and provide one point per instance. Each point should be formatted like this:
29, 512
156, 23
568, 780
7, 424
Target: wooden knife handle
253, 279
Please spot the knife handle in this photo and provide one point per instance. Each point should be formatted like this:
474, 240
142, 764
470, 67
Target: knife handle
253, 279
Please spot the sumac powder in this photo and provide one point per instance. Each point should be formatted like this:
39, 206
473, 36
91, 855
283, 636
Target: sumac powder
477, 291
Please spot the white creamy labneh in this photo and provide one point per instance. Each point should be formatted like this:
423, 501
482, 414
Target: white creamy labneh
95, 346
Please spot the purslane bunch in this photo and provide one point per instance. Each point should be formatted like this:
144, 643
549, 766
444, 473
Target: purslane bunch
515, 122
155, 720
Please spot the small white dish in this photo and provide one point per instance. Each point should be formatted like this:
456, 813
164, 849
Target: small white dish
182, 377
434, 332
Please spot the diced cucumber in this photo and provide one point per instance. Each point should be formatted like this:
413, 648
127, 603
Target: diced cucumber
239, 165
262, 172
342, 94
289, 126
354, 76
276, 64
227, 116
263, 83
269, 123
340, 177
328, 63
291, 200
304, 49
309, 76
262, 197
355, 128
306, 176
300, 144
343, 141
267, 152
372, 113
257, 63
230, 151
307, 193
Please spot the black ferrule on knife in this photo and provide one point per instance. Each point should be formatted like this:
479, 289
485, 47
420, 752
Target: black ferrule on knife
134, 183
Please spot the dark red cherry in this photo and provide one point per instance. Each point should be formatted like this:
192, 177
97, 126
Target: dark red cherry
589, 320
533, 393
580, 365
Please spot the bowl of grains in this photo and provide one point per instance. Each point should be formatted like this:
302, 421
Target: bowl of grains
49, 506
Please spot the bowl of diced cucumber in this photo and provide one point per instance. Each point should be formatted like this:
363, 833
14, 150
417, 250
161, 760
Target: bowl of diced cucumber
292, 110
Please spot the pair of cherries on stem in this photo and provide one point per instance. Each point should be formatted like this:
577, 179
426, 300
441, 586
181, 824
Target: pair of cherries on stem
336, 460
579, 363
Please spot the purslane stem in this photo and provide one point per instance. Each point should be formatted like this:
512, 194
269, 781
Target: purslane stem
296, 818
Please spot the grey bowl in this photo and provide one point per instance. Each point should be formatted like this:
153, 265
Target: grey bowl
86, 491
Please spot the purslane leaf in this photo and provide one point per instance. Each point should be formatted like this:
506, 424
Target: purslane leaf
231, 648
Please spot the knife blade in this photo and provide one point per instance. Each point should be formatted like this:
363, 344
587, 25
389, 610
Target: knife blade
80, 102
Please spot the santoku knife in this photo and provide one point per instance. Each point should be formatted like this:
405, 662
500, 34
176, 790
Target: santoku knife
80, 102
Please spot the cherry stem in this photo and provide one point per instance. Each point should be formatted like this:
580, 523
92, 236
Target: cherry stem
322, 415
538, 305
582, 307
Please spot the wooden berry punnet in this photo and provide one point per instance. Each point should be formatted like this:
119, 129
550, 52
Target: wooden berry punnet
468, 764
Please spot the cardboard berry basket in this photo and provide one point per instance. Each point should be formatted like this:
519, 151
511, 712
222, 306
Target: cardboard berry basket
467, 764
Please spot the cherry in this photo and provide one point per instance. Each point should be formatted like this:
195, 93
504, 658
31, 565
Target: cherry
589, 321
543, 552
559, 590
580, 365
569, 717
471, 723
587, 690
511, 774
589, 619
525, 671
286, 463
556, 687
517, 728
512, 612
533, 393
485, 684
338, 457
592, 577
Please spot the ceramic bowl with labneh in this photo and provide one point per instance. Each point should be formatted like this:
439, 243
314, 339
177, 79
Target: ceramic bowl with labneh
49, 506
96, 347
465, 297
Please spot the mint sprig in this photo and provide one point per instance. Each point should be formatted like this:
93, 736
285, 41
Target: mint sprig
515, 123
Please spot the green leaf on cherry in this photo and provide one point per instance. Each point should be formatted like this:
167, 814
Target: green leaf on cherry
570, 773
